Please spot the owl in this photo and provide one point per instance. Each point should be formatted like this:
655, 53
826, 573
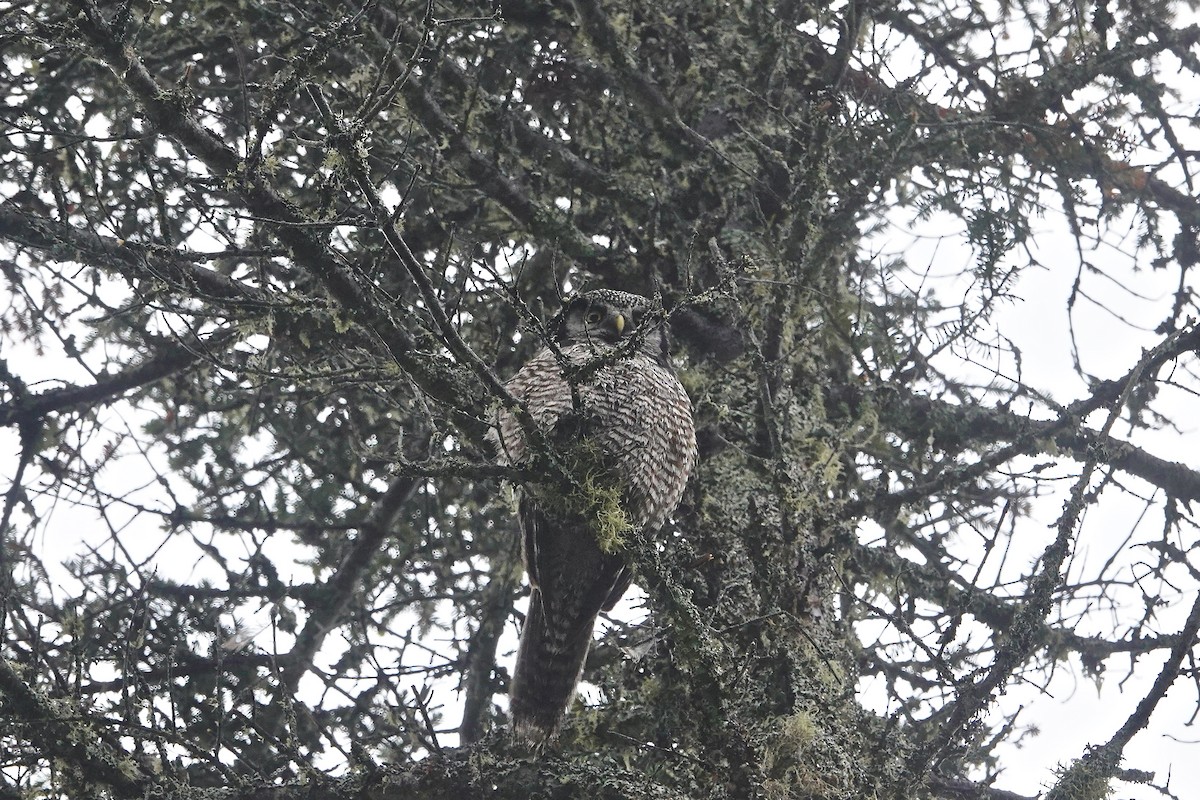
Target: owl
608, 400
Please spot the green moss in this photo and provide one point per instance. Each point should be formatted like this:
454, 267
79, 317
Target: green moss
787, 759
591, 491
798, 730
1089, 778
601, 500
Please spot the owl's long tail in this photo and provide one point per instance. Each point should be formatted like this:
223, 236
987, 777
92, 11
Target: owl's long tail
549, 664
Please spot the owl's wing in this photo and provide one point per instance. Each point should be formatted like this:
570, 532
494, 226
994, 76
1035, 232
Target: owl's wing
624, 578
575, 577
530, 521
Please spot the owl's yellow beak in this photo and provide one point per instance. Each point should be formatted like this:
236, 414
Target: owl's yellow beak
620, 323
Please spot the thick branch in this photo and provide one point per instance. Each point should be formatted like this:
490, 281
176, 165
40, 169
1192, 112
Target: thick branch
1015, 123
660, 113
954, 789
961, 426
548, 223
1105, 394
934, 583
62, 242
172, 358
66, 737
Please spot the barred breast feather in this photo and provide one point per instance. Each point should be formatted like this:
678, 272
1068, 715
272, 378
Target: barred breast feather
645, 429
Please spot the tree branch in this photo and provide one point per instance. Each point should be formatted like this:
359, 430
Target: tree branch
63, 242
71, 739
964, 426
346, 582
1102, 762
974, 695
955, 789
545, 222
172, 358
493, 613
354, 294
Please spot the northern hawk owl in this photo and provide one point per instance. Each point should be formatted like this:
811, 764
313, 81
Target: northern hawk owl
624, 423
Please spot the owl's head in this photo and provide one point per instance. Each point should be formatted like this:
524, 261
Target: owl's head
607, 317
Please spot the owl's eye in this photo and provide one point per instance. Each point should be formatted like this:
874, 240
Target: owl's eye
594, 316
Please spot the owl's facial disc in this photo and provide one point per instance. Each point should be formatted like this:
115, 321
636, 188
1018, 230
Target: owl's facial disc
605, 323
